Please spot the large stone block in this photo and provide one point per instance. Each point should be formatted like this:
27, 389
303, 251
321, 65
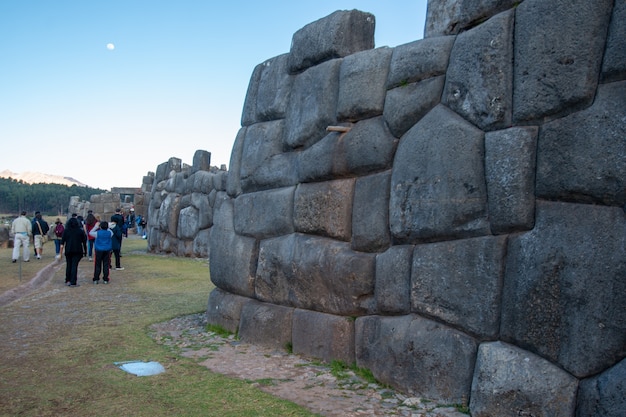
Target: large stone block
275, 172
201, 161
201, 182
614, 62
266, 324
564, 287
511, 381
262, 141
407, 104
419, 60
274, 89
582, 157
201, 245
393, 280
339, 34
438, 183
323, 336
265, 213
325, 208
417, 356
510, 159
315, 273
205, 212
317, 162
224, 309
362, 80
460, 282
313, 104
248, 114
448, 17
558, 51
370, 213
367, 147
168, 214
233, 258
479, 78
188, 225
604, 395
233, 184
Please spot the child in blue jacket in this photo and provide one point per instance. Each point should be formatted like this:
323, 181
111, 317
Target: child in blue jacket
102, 246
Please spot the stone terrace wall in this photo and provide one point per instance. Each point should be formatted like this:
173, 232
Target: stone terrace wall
180, 205
466, 239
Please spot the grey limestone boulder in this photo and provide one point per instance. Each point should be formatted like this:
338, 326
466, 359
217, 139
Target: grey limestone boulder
274, 89
317, 162
224, 309
232, 257
561, 280
324, 208
419, 60
312, 105
362, 80
262, 141
339, 34
510, 160
370, 213
233, 182
614, 62
205, 210
459, 282
438, 187
559, 46
248, 114
582, 157
265, 324
479, 78
264, 214
417, 355
393, 280
201, 243
449, 17
201, 161
604, 395
407, 104
510, 380
324, 336
367, 147
315, 273
168, 214
188, 225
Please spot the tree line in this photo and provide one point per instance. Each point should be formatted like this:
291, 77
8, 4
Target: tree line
49, 199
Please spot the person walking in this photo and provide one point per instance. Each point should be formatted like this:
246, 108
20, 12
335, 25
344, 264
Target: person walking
90, 222
103, 244
58, 235
74, 241
22, 230
40, 231
118, 235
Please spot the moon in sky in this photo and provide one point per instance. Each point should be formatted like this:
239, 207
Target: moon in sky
110, 46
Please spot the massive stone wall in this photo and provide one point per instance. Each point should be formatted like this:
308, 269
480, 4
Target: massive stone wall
180, 205
464, 238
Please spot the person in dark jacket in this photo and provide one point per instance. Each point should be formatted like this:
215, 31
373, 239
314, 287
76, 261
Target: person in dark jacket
74, 241
40, 229
103, 244
118, 235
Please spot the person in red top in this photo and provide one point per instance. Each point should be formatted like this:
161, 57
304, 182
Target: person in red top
90, 222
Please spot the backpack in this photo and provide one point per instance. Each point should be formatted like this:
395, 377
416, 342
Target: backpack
59, 229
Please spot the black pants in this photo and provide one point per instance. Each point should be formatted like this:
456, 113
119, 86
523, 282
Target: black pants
71, 267
116, 252
102, 264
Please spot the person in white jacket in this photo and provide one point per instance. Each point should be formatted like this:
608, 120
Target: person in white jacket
21, 229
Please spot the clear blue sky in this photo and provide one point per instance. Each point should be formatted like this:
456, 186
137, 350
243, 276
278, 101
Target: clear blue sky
175, 81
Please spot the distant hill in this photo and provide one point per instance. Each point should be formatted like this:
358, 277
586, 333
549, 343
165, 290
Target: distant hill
37, 178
